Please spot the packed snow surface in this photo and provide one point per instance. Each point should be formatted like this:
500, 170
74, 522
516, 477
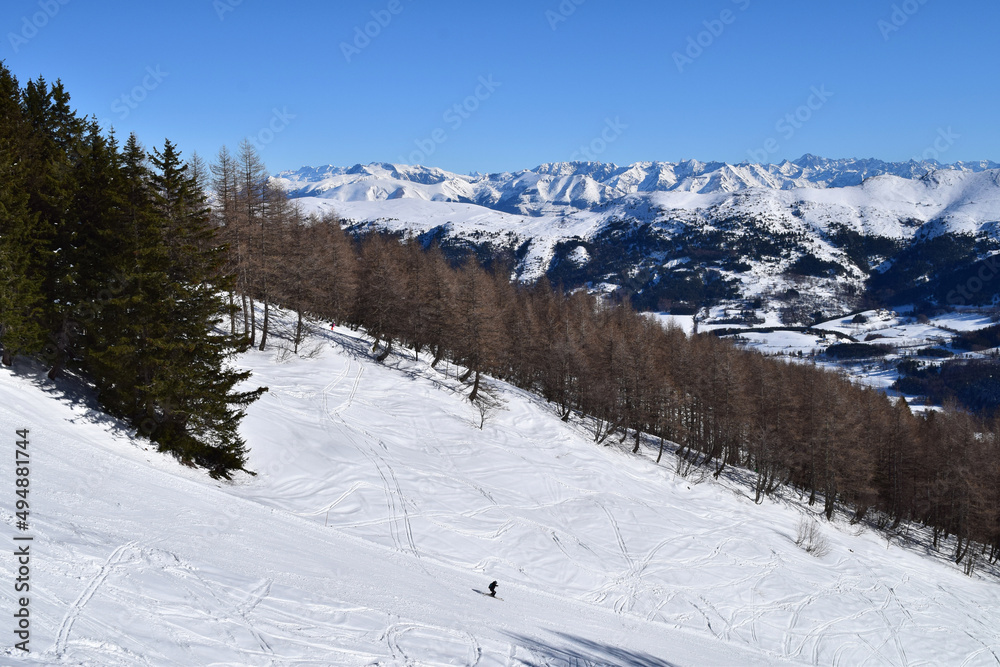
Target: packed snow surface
381, 512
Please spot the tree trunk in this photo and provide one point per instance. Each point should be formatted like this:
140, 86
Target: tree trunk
253, 323
611, 428
298, 332
246, 317
475, 389
263, 328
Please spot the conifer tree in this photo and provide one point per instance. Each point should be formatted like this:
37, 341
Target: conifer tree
337, 266
251, 198
477, 328
379, 305
53, 138
225, 220
115, 270
194, 403
22, 249
120, 347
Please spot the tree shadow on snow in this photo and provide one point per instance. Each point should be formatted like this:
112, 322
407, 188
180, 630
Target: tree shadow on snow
70, 389
401, 360
571, 651
358, 349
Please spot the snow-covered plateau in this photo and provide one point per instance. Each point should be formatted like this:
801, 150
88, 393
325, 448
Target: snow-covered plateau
381, 511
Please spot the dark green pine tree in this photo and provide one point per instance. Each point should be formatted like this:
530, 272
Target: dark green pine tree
96, 240
198, 408
126, 262
22, 247
51, 152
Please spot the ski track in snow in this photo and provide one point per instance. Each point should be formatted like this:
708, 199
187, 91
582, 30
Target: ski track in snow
117, 557
399, 521
246, 609
450, 643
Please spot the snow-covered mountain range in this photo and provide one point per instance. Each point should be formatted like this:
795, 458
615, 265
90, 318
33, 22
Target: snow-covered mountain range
665, 233
565, 186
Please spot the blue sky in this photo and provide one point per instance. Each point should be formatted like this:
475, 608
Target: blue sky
495, 86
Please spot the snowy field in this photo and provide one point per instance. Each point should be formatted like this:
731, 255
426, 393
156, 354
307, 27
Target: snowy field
784, 342
964, 321
900, 330
381, 511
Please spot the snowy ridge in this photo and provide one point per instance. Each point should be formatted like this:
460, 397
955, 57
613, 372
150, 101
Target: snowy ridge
380, 509
571, 186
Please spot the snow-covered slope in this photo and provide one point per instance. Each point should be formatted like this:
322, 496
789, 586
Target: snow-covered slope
380, 509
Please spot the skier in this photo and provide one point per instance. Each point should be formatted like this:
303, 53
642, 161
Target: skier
493, 589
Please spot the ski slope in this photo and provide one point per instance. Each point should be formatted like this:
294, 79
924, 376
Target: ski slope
381, 511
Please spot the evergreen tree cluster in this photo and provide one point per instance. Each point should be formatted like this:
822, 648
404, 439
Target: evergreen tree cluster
110, 267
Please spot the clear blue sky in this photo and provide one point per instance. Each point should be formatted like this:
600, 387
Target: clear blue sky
895, 76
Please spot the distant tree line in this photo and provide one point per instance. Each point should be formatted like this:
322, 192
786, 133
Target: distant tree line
972, 384
111, 268
979, 339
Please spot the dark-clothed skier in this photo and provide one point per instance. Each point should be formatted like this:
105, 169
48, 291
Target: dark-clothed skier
493, 589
